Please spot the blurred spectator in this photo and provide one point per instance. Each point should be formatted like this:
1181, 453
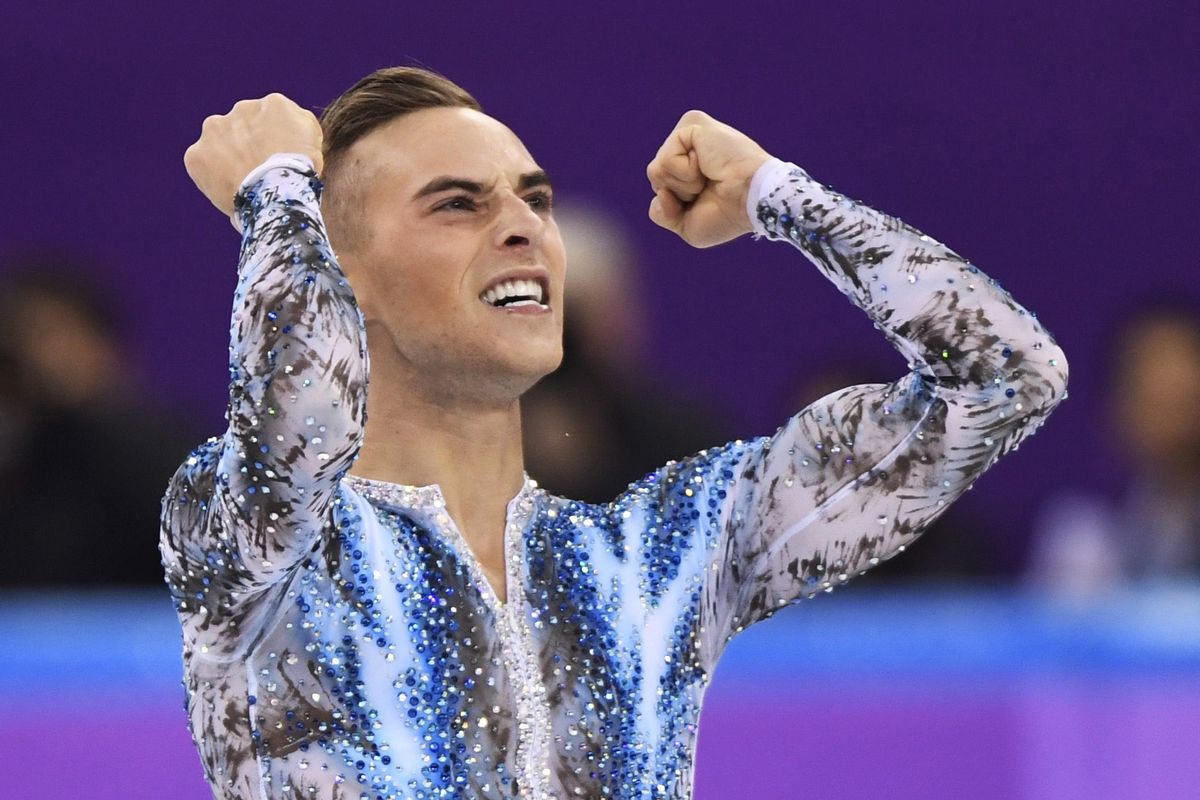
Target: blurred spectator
83, 459
600, 421
1084, 542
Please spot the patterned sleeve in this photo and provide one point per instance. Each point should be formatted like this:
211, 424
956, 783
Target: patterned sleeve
856, 476
246, 507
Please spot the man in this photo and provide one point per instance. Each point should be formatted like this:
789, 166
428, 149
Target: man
72, 414
406, 614
1085, 543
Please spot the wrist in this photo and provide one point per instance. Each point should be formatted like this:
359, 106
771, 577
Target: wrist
769, 176
750, 189
295, 161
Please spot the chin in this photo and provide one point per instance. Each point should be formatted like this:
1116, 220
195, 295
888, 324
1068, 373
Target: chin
509, 375
533, 370
531, 355
553, 361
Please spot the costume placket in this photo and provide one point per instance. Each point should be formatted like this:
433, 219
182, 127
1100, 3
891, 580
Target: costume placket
511, 614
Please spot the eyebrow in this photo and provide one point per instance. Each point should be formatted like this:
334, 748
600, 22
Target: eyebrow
532, 179
446, 183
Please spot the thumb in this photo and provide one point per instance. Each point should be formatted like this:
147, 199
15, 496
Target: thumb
685, 178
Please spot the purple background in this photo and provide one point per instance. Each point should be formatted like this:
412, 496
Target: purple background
1054, 145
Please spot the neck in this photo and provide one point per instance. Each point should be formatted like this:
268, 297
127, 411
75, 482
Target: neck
416, 435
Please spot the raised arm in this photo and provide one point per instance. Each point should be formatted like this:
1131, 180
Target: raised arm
246, 507
856, 476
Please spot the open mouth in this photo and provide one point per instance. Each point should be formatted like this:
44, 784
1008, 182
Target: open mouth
516, 293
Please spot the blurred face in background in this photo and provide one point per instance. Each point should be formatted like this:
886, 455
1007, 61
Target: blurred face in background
60, 356
605, 308
1158, 394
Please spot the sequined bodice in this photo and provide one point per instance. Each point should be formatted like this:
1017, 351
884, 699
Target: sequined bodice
428, 503
341, 641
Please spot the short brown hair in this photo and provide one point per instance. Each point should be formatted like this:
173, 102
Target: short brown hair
380, 97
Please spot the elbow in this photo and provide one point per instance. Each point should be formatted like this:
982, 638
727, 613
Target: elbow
1056, 374
1045, 384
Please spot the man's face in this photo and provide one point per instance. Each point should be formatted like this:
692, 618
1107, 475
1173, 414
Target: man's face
1160, 377
461, 268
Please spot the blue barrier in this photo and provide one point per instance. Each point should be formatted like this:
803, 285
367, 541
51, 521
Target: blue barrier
131, 639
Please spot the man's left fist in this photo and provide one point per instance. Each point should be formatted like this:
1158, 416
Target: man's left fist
700, 177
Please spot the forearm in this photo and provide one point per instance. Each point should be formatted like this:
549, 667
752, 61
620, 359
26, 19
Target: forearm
953, 323
251, 504
298, 367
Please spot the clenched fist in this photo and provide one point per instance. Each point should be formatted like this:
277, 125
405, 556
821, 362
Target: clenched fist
701, 178
230, 145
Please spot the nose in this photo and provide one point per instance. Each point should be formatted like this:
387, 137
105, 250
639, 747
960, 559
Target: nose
518, 226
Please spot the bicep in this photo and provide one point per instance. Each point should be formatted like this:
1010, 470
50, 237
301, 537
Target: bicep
215, 565
847, 483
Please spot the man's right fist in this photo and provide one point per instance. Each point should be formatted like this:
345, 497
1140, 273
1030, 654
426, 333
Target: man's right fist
231, 145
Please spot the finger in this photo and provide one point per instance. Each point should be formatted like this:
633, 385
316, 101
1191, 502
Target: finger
693, 117
685, 192
682, 166
666, 210
210, 122
661, 177
189, 155
682, 178
677, 165
688, 181
279, 99
672, 155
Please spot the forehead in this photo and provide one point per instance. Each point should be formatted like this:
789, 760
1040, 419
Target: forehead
457, 142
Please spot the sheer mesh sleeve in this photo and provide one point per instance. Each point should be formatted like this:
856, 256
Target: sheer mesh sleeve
246, 507
856, 476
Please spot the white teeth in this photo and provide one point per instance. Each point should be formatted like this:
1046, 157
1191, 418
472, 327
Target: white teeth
523, 288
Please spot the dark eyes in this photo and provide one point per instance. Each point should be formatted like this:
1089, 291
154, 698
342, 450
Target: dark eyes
538, 201
460, 203
541, 201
